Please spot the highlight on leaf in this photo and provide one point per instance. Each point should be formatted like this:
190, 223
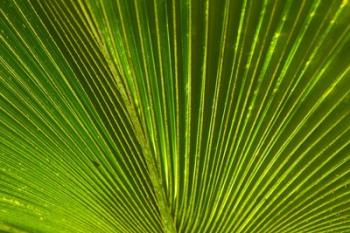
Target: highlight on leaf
175, 116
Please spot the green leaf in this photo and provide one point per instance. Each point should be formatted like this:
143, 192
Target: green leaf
175, 116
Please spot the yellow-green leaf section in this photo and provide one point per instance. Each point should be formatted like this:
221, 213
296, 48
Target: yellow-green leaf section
208, 116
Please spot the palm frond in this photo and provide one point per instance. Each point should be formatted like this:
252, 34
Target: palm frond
175, 116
